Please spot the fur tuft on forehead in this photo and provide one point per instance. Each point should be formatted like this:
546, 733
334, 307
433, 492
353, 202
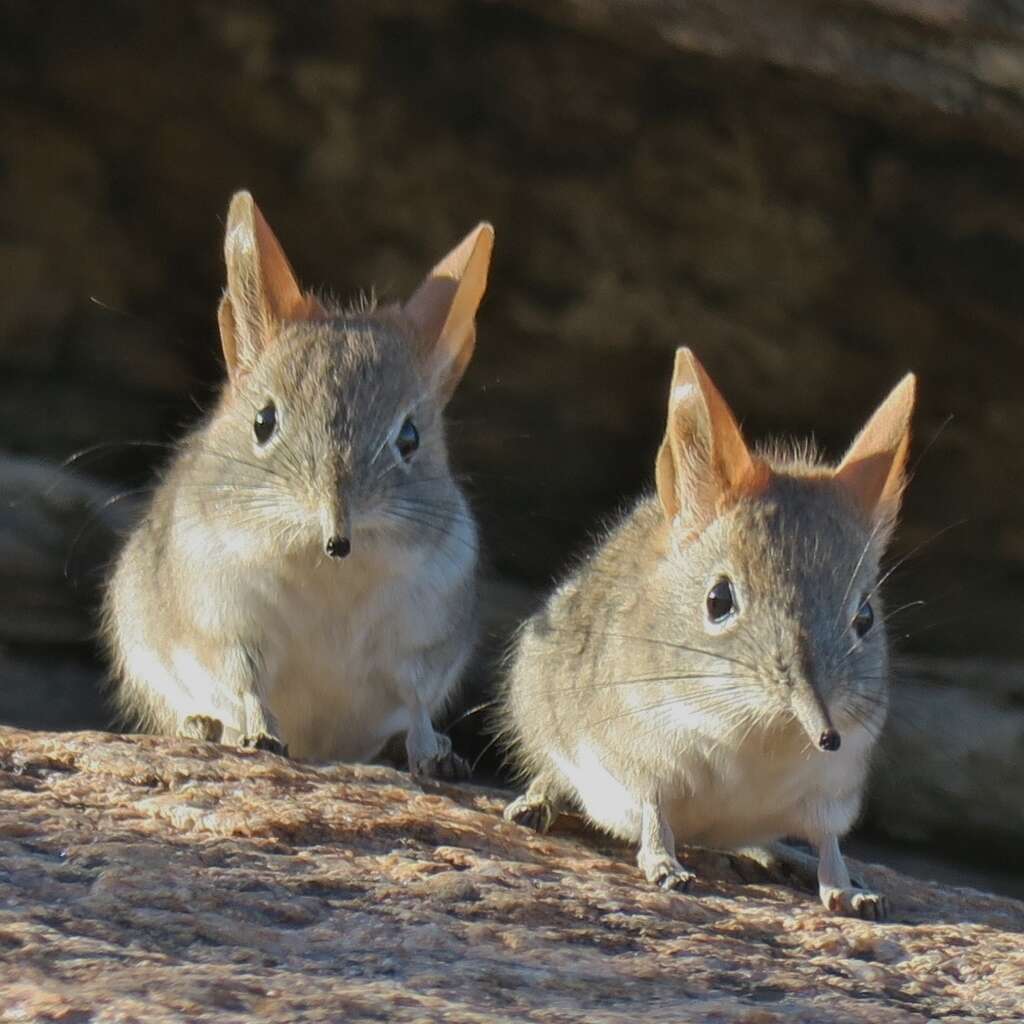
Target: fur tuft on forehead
794, 456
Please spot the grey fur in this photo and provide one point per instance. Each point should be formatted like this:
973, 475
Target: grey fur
223, 608
621, 700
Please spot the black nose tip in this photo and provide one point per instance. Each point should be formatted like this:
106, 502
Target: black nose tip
338, 547
830, 740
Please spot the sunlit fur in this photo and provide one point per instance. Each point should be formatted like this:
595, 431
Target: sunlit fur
619, 691
226, 581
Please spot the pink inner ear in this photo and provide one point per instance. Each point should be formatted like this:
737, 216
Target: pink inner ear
704, 464
733, 462
872, 470
284, 298
228, 341
428, 309
443, 309
867, 481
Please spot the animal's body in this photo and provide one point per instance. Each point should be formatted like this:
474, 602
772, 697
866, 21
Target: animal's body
716, 670
305, 573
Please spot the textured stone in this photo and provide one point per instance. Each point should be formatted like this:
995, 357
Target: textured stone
161, 880
58, 530
46, 687
954, 57
951, 767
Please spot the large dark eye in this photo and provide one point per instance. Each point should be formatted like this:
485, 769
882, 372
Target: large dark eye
721, 602
265, 423
864, 619
408, 439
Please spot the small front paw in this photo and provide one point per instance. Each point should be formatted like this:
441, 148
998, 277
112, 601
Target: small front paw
667, 873
869, 906
435, 759
202, 727
264, 741
530, 812
446, 766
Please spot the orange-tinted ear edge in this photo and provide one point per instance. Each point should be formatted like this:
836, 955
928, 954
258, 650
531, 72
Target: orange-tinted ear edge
262, 290
443, 309
285, 298
703, 463
873, 471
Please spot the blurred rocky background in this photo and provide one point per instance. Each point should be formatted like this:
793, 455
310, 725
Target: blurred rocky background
817, 196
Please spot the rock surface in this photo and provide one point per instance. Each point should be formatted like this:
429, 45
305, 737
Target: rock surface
954, 57
58, 531
950, 771
163, 880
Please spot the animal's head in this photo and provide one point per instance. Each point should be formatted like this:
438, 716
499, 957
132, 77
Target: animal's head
773, 559
332, 419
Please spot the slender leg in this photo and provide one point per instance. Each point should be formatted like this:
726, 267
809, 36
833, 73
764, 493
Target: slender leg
836, 890
787, 862
782, 862
538, 807
430, 753
261, 728
656, 857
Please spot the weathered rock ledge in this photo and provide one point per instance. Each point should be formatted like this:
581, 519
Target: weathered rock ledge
154, 879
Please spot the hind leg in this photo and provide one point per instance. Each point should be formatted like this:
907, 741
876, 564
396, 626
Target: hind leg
538, 807
837, 891
788, 863
827, 873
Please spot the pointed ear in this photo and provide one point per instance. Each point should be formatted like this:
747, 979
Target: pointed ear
873, 470
443, 308
703, 460
262, 291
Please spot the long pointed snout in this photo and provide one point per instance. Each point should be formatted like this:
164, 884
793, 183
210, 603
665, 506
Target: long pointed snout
813, 716
337, 530
338, 545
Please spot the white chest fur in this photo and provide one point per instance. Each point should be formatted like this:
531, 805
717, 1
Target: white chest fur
359, 644
342, 642
726, 795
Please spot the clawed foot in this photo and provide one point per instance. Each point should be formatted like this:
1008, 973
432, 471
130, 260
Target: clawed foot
449, 767
869, 906
531, 812
666, 873
444, 764
264, 741
202, 727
